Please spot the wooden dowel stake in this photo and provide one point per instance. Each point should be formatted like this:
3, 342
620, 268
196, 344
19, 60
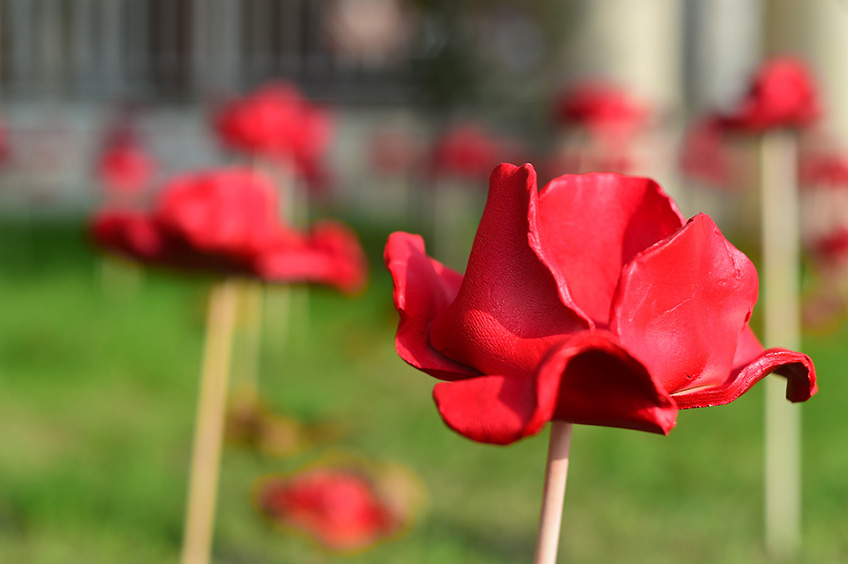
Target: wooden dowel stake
249, 339
209, 426
781, 277
556, 472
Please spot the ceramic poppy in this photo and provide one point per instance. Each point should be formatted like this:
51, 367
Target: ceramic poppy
593, 301
225, 222
394, 151
705, 155
466, 151
126, 169
824, 169
339, 507
275, 122
602, 108
831, 247
782, 94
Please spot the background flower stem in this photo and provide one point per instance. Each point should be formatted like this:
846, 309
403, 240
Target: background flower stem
249, 340
781, 259
556, 473
209, 426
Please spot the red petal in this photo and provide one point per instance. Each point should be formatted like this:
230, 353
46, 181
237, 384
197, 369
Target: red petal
423, 288
682, 304
796, 367
748, 348
507, 313
331, 255
588, 379
783, 94
129, 234
229, 211
602, 384
142, 238
490, 409
591, 225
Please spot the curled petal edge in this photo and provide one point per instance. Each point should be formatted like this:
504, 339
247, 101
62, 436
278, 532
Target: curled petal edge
434, 287
598, 382
796, 367
572, 383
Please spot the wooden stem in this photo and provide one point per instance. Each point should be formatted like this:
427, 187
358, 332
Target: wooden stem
294, 201
556, 472
248, 360
209, 426
781, 256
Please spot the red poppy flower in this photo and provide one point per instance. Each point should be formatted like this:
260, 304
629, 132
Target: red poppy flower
394, 151
706, 156
592, 301
339, 507
602, 108
824, 169
466, 151
831, 247
225, 222
783, 94
275, 122
125, 168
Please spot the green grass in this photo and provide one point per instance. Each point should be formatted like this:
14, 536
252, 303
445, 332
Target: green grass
97, 398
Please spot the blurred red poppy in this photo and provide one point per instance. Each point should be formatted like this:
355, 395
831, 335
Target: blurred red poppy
394, 151
706, 155
338, 507
466, 150
824, 169
225, 222
782, 94
602, 108
831, 247
125, 168
592, 301
275, 122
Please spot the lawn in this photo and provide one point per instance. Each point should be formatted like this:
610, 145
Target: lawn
97, 398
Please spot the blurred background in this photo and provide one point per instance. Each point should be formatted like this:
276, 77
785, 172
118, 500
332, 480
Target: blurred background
98, 385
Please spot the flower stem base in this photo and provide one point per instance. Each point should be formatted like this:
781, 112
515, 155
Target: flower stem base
556, 472
209, 426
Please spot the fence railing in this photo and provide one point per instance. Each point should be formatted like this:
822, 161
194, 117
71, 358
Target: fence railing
175, 49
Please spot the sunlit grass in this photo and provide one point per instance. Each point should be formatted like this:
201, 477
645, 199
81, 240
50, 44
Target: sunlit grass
97, 397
